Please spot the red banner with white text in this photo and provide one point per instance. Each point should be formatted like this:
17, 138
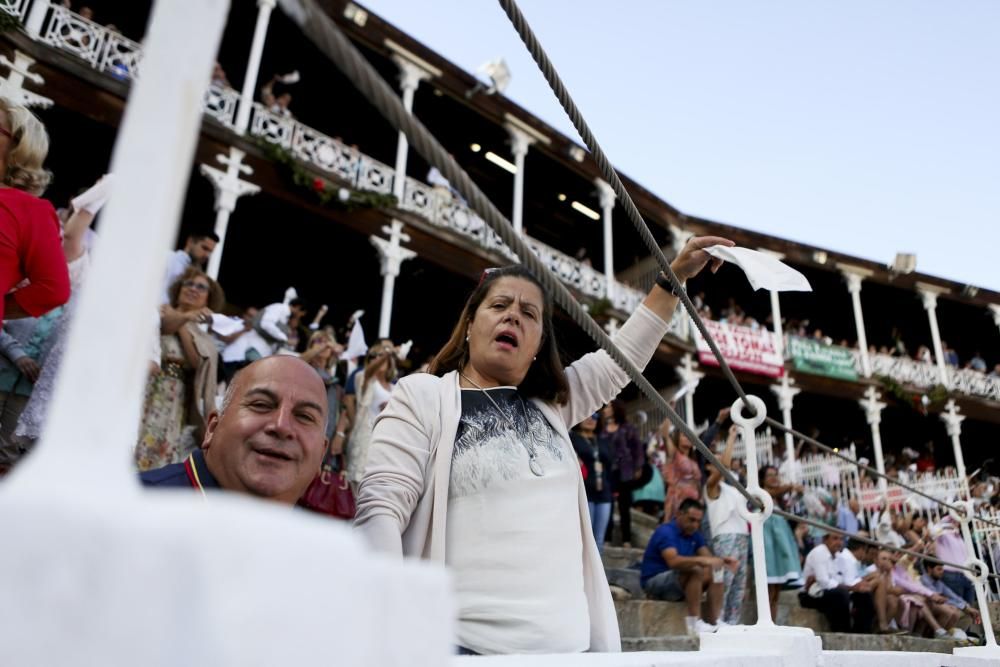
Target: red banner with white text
744, 349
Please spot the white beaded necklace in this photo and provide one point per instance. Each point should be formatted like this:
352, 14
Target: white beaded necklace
533, 463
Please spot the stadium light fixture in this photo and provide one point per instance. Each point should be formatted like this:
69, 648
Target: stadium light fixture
586, 210
506, 165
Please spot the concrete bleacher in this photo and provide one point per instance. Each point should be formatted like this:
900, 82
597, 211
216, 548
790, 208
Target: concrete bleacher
653, 625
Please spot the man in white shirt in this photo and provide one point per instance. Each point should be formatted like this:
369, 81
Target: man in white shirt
826, 592
266, 335
197, 249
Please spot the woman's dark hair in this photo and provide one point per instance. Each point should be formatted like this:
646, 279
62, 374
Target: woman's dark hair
546, 378
216, 297
618, 410
762, 473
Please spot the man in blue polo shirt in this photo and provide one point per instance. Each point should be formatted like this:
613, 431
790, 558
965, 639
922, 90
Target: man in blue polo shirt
679, 566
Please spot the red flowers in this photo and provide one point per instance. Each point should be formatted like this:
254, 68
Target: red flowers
319, 185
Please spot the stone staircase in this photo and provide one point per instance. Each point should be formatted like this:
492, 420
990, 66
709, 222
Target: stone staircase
653, 625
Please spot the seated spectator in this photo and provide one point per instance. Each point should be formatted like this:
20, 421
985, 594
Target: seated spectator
30, 247
825, 592
933, 608
852, 570
181, 396
933, 579
198, 247
950, 355
950, 547
679, 566
267, 440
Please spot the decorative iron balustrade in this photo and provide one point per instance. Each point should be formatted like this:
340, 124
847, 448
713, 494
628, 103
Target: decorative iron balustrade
220, 103
18, 8
105, 50
925, 375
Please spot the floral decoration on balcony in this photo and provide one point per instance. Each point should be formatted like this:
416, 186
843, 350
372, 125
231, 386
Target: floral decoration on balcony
918, 400
327, 192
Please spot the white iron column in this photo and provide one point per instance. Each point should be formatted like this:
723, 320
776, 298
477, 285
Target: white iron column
929, 295
13, 86
264, 8
690, 377
607, 197
953, 424
854, 275
519, 143
410, 76
228, 188
873, 415
33, 23
786, 393
392, 256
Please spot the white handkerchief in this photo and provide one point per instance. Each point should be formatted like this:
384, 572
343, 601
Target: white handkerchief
224, 326
94, 199
763, 270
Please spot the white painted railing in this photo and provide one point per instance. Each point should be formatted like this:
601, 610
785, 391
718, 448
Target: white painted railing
18, 8
105, 50
925, 375
220, 103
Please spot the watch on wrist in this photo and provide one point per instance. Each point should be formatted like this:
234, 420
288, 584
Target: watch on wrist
664, 283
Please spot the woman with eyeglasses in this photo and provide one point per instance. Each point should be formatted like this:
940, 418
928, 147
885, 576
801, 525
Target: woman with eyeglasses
471, 466
182, 394
594, 451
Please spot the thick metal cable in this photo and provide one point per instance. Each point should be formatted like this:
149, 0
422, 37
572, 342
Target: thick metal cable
875, 543
872, 471
611, 176
325, 34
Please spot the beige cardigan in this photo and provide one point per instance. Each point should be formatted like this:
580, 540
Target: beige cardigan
403, 498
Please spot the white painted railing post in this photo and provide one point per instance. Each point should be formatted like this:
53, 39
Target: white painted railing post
607, 198
520, 141
854, 275
391, 254
953, 424
36, 17
991, 649
873, 415
264, 8
929, 295
410, 76
95, 410
690, 377
786, 393
228, 189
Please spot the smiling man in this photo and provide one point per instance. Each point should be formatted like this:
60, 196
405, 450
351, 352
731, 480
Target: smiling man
267, 440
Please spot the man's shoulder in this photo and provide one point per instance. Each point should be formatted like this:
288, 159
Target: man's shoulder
174, 474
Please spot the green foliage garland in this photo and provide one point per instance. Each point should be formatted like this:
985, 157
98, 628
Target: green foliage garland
326, 191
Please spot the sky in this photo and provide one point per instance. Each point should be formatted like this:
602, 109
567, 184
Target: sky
865, 127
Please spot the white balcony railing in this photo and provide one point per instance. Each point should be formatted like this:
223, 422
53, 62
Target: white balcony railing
105, 50
220, 103
18, 8
925, 375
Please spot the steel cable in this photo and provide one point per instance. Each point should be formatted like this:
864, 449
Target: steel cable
548, 70
872, 471
325, 34
875, 543
611, 176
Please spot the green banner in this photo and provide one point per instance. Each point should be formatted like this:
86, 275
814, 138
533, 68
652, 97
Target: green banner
812, 356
